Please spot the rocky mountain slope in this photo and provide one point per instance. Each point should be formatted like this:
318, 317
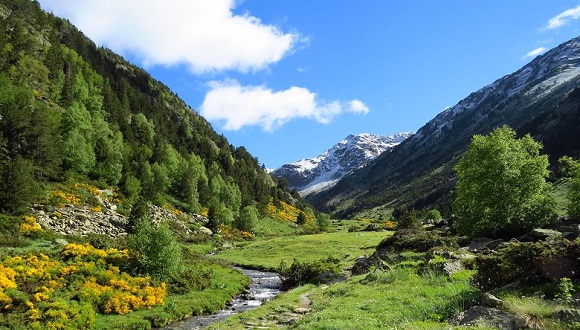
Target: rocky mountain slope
317, 174
536, 99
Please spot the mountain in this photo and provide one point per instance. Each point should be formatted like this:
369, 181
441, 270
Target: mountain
541, 99
313, 175
74, 112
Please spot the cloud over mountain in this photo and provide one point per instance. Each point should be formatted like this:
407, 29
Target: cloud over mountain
238, 106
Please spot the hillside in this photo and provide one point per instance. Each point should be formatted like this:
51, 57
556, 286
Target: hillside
540, 99
72, 111
313, 175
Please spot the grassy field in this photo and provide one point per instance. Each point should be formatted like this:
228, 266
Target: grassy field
267, 254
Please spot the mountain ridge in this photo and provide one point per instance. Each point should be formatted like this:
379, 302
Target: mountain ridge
419, 172
311, 175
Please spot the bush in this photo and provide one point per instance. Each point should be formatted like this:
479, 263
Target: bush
307, 272
154, 250
528, 263
419, 240
409, 220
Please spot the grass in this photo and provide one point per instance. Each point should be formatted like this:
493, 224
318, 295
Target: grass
561, 188
268, 227
535, 313
268, 254
375, 301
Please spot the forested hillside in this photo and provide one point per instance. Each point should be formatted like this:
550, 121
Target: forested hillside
70, 110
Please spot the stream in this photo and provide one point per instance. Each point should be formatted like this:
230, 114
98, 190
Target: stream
264, 286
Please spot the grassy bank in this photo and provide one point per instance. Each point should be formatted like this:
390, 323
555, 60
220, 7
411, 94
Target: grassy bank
268, 254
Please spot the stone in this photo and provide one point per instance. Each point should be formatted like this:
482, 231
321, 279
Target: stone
568, 315
490, 300
205, 231
486, 316
451, 267
543, 234
361, 265
60, 241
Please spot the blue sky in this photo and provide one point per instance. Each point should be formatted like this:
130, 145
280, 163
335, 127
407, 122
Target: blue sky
288, 79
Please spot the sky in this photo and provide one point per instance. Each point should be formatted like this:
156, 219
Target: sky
288, 79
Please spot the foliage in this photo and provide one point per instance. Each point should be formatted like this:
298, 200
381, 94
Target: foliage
572, 168
70, 109
64, 291
564, 290
247, 219
528, 263
418, 240
154, 250
409, 220
308, 271
323, 221
433, 215
501, 185
18, 187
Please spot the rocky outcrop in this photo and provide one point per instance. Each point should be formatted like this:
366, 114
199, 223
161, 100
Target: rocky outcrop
75, 220
486, 316
105, 220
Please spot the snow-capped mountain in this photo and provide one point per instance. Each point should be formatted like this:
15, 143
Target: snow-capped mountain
542, 98
320, 173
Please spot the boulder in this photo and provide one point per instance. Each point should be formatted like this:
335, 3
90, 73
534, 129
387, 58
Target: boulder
486, 316
205, 231
490, 300
568, 316
362, 265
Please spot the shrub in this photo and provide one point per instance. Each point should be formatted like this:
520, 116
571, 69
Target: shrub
409, 220
154, 250
420, 240
528, 263
306, 272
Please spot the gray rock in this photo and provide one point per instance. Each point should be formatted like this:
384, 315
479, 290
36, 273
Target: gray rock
205, 231
568, 315
361, 265
486, 316
490, 300
60, 241
543, 234
451, 267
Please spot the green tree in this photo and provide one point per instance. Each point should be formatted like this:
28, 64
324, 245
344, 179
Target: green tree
501, 185
155, 250
247, 219
324, 222
572, 169
18, 187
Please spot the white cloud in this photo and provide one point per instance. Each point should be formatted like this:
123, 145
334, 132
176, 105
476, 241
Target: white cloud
535, 52
236, 106
203, 34
562, 19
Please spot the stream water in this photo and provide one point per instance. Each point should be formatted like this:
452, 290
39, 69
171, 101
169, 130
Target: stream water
264, 286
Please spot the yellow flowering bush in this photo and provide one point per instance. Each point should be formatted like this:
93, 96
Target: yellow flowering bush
63, 292
232, 233
286, 212
29, 226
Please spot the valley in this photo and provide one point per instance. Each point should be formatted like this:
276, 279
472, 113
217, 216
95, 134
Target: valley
122, 208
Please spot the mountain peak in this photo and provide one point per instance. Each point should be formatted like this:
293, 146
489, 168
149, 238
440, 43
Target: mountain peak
320, 173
